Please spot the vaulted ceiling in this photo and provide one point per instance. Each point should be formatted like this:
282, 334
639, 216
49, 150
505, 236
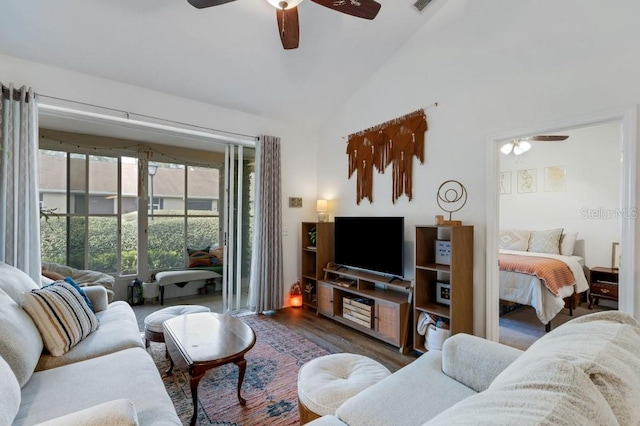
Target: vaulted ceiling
229, 55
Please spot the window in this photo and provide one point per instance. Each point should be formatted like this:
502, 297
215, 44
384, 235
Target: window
96, 218
176, 225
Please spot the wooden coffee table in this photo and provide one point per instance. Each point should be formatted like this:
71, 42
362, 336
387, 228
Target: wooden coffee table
202, 341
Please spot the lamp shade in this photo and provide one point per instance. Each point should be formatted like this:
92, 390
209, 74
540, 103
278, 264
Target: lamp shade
321, 205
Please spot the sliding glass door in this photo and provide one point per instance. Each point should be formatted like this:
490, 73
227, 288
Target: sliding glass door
237, 219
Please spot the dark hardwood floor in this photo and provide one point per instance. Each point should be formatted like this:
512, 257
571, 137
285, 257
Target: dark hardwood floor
338, 338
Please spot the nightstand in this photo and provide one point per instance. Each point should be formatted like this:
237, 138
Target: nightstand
603, 285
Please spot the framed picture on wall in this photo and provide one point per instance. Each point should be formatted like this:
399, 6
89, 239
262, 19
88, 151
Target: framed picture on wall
505, 183
527, 181
555, 178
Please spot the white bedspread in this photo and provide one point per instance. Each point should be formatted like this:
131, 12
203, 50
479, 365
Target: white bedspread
529, 290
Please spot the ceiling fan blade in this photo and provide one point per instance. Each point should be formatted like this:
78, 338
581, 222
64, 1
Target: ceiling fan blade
201, 4
548, 138
366, 9
288, 27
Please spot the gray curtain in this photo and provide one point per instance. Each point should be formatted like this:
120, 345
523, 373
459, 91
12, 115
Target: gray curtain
19, 199
266, 261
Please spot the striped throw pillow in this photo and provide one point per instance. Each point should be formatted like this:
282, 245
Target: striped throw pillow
61, 315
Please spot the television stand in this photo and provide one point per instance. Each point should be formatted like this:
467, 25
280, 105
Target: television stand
368, 302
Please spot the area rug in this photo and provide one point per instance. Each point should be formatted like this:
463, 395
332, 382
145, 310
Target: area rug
270, 383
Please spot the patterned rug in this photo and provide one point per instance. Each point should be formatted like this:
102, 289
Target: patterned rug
270, 382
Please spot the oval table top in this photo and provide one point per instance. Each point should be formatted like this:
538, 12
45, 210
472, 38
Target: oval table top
208, 337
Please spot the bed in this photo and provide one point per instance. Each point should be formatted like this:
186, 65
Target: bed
540, 280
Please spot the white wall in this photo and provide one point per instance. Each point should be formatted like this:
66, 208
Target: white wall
589, 199
298, 143
492, 66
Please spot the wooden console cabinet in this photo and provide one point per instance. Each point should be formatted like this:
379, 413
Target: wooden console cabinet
371, 303
443, 270
315, 258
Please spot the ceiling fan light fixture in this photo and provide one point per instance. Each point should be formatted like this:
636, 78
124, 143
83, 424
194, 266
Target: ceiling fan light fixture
524, 146
284, 5
506, 148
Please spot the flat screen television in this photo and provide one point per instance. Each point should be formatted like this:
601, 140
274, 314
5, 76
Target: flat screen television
370, 243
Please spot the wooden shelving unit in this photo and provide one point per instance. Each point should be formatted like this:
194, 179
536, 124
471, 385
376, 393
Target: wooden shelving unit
315, 258
381, 307
458, 275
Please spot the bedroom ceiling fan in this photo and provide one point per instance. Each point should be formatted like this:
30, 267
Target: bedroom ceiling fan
287, 14
520, 146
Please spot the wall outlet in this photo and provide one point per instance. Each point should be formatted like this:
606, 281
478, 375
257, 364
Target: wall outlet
285, 231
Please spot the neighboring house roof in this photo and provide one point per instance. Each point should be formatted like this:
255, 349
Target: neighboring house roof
169, 182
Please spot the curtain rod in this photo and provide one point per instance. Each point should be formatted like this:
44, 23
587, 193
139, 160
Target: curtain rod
205, 132
433, 105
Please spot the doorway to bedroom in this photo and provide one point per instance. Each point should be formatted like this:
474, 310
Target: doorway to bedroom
568, 191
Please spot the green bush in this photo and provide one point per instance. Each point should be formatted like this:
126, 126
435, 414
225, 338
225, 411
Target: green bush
166, 241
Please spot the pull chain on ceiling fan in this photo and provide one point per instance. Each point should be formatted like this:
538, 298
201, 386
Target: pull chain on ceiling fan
287, 14
520, 146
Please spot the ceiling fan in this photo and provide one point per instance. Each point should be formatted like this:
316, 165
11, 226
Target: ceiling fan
522, 145
287, 14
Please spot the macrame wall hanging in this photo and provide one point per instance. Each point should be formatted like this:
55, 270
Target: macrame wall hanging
395, 142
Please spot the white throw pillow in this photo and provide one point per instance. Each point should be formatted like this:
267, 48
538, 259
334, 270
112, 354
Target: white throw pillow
514, 239
545, 241
61, 315
567, 243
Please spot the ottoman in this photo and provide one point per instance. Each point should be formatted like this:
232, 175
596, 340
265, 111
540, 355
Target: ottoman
326, 382
153, 322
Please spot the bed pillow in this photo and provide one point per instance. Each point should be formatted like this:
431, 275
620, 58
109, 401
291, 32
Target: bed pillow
61, 315
567, 243
545, 241
514, 239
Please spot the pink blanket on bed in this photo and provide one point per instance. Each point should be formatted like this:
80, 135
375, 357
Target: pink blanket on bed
553, 273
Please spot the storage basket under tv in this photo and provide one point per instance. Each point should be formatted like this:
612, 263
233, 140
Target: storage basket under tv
358, 310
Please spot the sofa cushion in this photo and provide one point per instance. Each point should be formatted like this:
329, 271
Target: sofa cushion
545, 392
199, 257
129, 374
15, 282
392, 401
119, 412
118, 331
474, 361
61, 315
20, 341
604, 346
9, 394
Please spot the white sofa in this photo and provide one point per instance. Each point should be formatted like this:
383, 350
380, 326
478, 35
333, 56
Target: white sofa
586, 372
107, 378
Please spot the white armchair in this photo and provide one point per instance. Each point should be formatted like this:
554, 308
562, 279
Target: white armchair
84, 278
